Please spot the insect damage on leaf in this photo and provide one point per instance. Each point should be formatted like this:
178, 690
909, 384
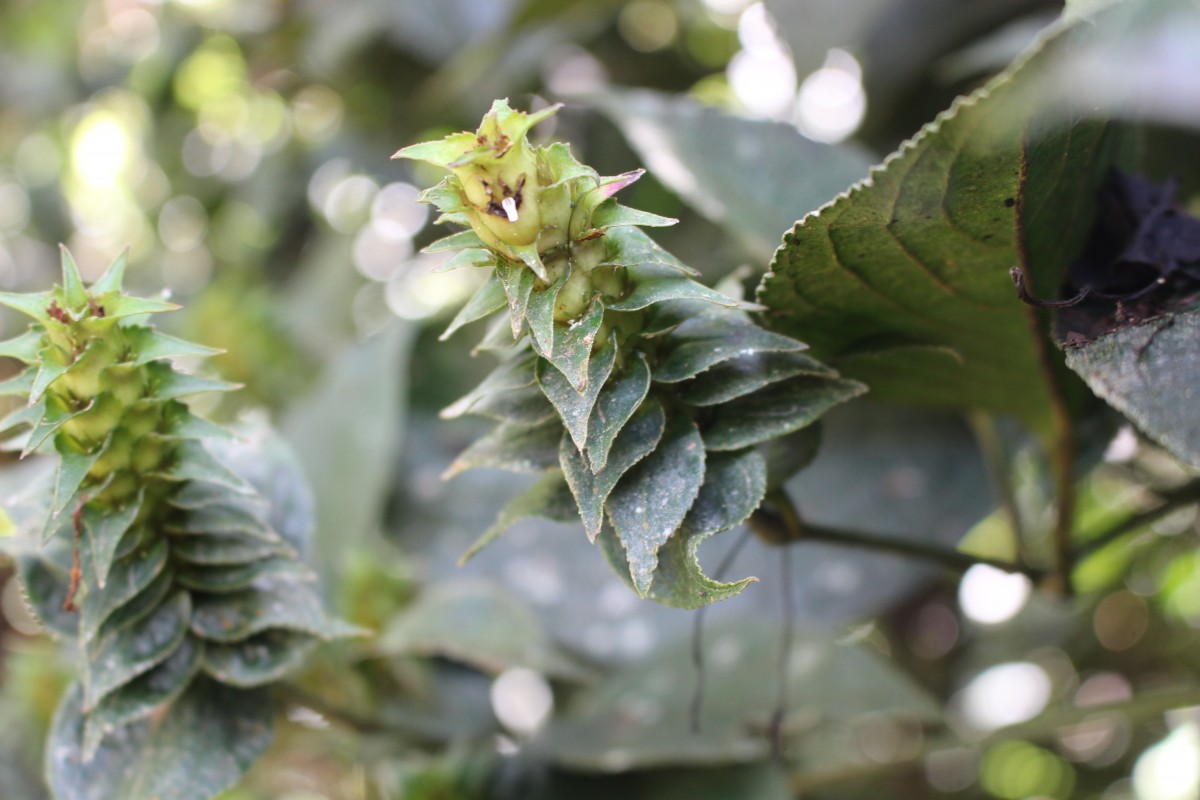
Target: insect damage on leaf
617, 340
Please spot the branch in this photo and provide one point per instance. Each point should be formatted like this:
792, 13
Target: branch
1171, 500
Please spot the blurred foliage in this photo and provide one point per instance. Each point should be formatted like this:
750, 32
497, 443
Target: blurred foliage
240, 149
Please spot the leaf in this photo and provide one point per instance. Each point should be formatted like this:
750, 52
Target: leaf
747, 374
19, 385
632, 247
549, 498
130, 576
471, 257
1149, 373
540, 313
33, 305
611, 214
488, 299
118, 305
920, 252
55, 414
196, 750
652, 499
775, 411
752, 177
476, 623
151, 345
24, 348
572, 349
141, 697
516, 448
636, 441
196, 463
518, 286
515, 374
118, 656
224, 518
52, 365
169, 383
619, 398
73, 467
655, 284
223, 579
259, 660
575, 407
104, 529
699, 344
226, 549
281, 604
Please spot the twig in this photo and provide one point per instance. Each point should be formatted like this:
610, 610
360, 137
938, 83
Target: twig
787, 633
698, 634
76, 567
996, 460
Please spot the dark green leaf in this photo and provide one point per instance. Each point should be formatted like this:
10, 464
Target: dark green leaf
516, 448
619, 398
196, 463
223, 579
652, 499
741, 376
104, 529
698, 344
518, 286
573, 345
142, 604
540, 313
73, 467
1149, 372
655, 284
45, 581
200, 747
636, 440
488, 299
287, 605
130, 576
631, 247
224, 518
575, 406
753, 177
259, 660
226, 549
514, 374
787, 455
120, 655
199, 494
141, 697
777, 410
549, 498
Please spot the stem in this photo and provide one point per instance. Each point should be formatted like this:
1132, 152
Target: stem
775, 731
995, 457
698, 635
780, 523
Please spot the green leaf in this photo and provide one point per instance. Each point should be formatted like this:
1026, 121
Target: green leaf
511, 376
45, 581
225, 549
636, 440
572, 349
142, 604
479, 624
747, 374
631, 247
284, 604
225, 518
549, 498
752, 177
540, 313
574, 406
170, 384
23, 416
122, 305
33, 305
113, 278
199, 494
200, 747
120, 655
130, 577
183, 424
226, 578
196, 463
259, 660
920, 253
25, 347
1149, 372
471, 257
149, 345
19, 385
619, 398
142, 696
611, 214
456, 241
488, 299
54, 415
104, 529
73, 467
518, 286
652, 499
52, 365
655, 284
775, 411
516, 448
74, 295
699, 344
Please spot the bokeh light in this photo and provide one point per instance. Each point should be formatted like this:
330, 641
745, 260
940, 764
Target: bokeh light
1005, 694
991, 596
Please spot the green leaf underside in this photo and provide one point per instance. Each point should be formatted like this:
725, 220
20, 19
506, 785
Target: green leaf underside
104, 531
549, 498
513, 375
24, 348
617, 402
223, 549
575, 407
699, 344
591, 490
198, 494
32, 305
258, 660
518, 285
227, 578
283, 604
225, 518
471, 257
631, 247
201, 746
118, 656
655, 284
73, 467
611, 214
572, 348
150, 345
170, 384
54, 416
741, 376
1149, 372
516, 448
140, 697
920, 252
487, 300
130, 576
652, 499
142, 604
197, 464
52, 365
734, 486
777, 410
540, 313
456, 241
